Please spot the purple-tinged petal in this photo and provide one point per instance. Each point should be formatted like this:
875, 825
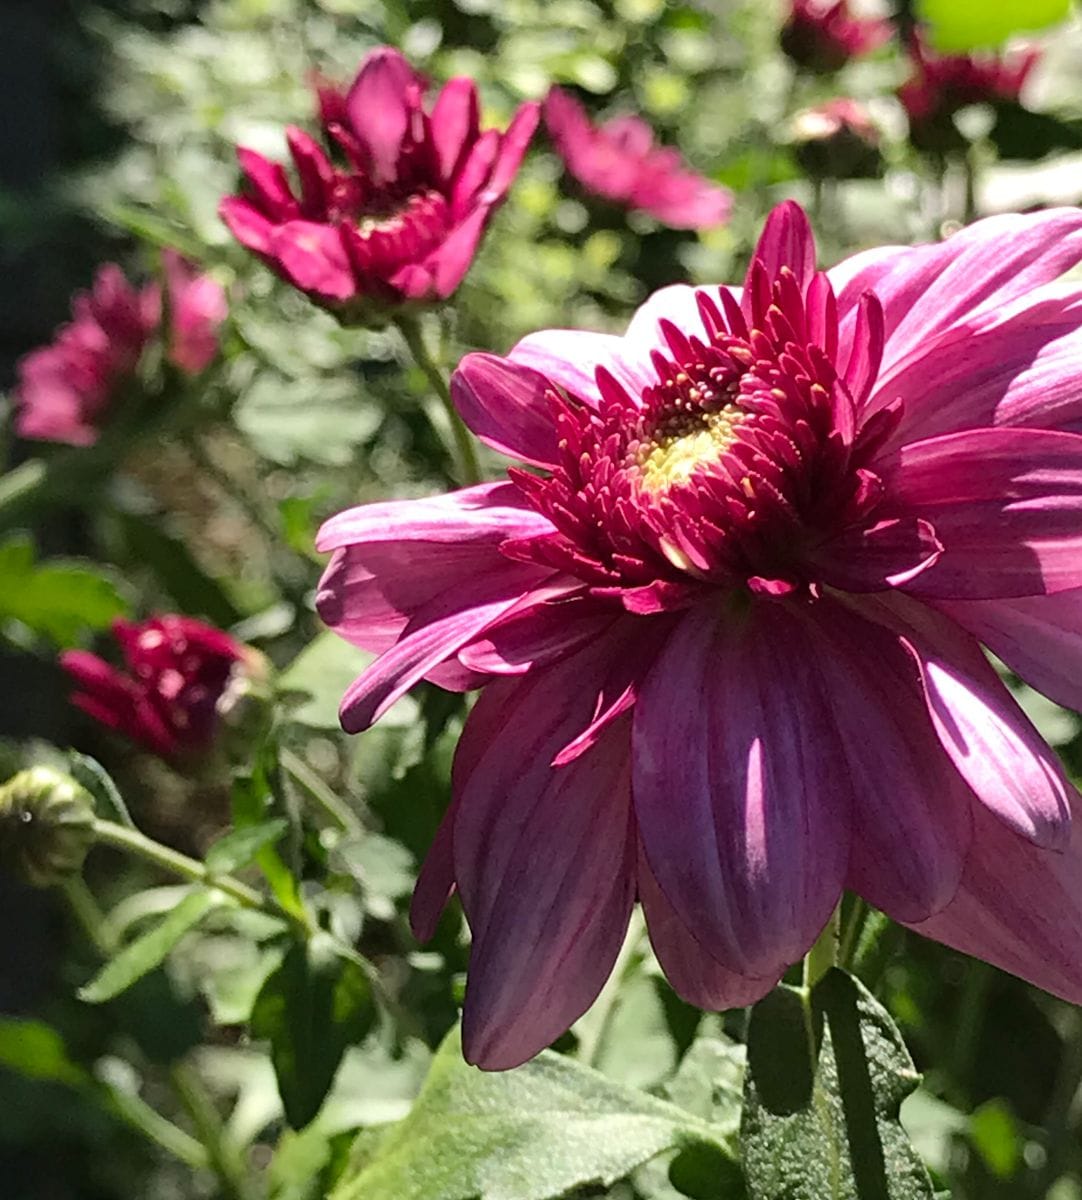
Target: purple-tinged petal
268, 184
1005, 503
444, 269
474, 173
786, 241
866, 351
731, 729
1019, 907
570, 359
379, 106
544, 860
246, 223
313, 258
514, 142
436, 881
456, 123
870, 558
695, 975
1038, 637
504, 403
539, 635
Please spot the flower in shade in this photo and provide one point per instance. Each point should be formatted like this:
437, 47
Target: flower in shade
836, 140
399, 214
620, 161
169, 693
66, 390
728, 624
941, 85
822, 36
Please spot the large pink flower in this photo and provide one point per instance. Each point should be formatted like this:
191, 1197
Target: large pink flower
822, 35
728, 625
177, 670
402, 219
66, 390
619, 161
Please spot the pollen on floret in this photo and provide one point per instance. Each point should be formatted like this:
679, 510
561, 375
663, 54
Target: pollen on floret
684, 442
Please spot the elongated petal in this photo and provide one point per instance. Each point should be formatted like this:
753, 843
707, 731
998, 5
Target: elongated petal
514, 142
436, 881
1038, 637
570, 358
1005, 503
695, 975
544, 860
379, 107
312, 257
887, 554
246, 223
504, 403
445, 268
456, 123
787, 241
1019, 907
743, 814
537, 636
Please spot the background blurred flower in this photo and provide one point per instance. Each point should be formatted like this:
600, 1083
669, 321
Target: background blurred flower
619, 160
176, 669
941, 85
402, 219
728, 627
46, 825
836, 140
822, 36
65, 390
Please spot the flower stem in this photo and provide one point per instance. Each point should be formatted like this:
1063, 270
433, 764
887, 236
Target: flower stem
849, 939
340, 815
823, 954
224, 1158
469, 465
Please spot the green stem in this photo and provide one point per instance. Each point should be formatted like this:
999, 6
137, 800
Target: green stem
224, 1158
850, 935
823, 954
469, 465
172, 861
337, 812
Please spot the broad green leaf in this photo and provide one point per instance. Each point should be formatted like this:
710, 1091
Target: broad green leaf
37, 1051
958, 25
994, 1132
826, 1076
323, 671
239, 847
315, 1005
148, 950
534, 1133
60, 600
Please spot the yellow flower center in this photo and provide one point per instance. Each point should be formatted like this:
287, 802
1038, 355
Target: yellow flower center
684, 442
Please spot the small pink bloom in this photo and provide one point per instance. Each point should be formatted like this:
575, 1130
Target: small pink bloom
940, 85
197, 307
836, 140
620, 161
728, 625
399, 215
822, 36
176, 669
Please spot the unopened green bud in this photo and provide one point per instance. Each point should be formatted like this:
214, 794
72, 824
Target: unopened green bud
46, 825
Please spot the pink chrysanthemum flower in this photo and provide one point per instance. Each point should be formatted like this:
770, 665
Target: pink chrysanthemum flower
176, 671
728, 625
619, 161
401, 220
822, 35
65, 390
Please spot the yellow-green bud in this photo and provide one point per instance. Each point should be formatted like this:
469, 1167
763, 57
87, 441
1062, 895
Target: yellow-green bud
46, 825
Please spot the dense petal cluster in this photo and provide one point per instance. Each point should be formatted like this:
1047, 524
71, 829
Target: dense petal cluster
941, 85
822, 35
398, 215
728, 623
65, 390
619, 161
176, 671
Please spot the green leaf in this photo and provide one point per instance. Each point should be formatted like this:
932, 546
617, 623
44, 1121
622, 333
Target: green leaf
994, 1132
239, 847
529, 1134
37, 1051
252, 799
323, 671
59, 600
148, 950
957, 25
315, 1005
826, 1076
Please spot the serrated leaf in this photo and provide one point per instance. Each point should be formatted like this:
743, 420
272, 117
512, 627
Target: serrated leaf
148, 950
823, 1087
37, 1051
60, 600
530, 1134
311, 1009
958, 25
239, 847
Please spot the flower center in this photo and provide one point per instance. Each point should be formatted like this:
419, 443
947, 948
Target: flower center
685, 441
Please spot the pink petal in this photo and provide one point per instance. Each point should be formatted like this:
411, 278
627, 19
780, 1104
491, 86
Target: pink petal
1005, 503
537, 635
504, 403
786, 241
456, 123
570, 358
444, 269
268, 184
313, 258
886, 554
514, 143
246, 223
379, 107
1038, 637
695, 976
544, 860
474, 172
743, 814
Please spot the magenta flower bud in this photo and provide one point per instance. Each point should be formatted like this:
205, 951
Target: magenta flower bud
619, 161
836, 140
168, 696
728, 626
822, 36
65, 391
396, 214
